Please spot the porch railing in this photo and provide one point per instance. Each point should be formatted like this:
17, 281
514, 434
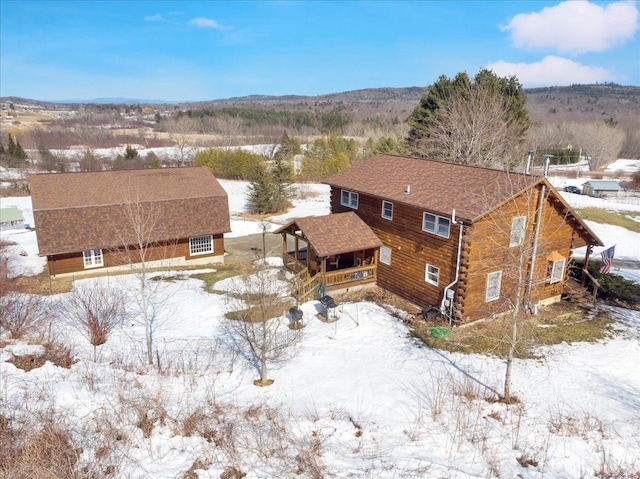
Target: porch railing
364, 274
305, 285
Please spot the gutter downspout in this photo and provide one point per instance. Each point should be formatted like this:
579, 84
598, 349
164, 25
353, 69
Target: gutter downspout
536, 235
455, 280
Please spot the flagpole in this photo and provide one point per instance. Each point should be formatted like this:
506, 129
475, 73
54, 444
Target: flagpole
587, 256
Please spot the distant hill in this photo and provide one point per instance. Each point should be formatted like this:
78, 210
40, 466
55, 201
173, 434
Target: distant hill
586, 103
607, 101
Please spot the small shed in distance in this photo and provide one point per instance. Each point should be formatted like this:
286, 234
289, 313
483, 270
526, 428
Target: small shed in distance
11, 218
601, 188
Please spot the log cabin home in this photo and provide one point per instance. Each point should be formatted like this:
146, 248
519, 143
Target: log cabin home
115, 219
453, 236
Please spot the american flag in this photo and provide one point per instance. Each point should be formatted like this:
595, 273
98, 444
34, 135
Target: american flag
607, 258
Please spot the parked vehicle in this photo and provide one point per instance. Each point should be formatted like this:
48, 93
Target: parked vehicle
572, 189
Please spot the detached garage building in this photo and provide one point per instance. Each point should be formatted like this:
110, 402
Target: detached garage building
92, 220
601, 188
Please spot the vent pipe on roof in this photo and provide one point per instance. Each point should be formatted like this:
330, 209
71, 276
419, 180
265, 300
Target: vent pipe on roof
527, 169
547, 160
407, 190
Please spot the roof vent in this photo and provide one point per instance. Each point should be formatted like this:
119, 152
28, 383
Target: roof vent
407, 190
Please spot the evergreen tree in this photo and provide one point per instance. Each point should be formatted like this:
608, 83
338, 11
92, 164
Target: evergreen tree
19, 151
2, 150
11, 147
282, 175
262, 191
427, 114
289, 146
130, 153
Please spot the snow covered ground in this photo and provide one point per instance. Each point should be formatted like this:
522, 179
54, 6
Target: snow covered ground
357, 398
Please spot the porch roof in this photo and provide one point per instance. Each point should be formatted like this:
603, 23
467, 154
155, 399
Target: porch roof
335, 234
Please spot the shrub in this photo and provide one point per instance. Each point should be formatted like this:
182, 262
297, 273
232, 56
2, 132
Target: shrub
613, 287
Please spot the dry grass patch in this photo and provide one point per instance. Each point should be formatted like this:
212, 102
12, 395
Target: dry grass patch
617, 218
554, 325
58, 354
212, 277
42, 284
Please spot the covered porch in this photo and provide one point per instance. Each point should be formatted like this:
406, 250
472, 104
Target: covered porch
328, 253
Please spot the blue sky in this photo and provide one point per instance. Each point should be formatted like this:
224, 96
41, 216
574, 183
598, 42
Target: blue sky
180, 51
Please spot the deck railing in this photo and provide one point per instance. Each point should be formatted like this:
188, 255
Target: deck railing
305, 285
361, 274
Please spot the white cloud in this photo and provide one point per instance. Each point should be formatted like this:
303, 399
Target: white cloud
207, 23
575, 26
552, 70
154, 18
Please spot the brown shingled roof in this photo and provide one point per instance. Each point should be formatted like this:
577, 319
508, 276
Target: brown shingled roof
336, 233
78, 211
435, 186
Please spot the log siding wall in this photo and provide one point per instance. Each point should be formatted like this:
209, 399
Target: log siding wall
485, 249
411, 249
74, 262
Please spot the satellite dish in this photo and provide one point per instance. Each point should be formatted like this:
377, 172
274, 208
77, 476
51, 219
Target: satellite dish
265, 226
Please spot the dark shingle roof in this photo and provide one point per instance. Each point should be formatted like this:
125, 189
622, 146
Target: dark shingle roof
336, 234
78, 211
435, 186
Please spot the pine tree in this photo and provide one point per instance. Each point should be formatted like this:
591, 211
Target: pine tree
282, 175
11, 147
19, 151
434, 114
130, 153
261, 191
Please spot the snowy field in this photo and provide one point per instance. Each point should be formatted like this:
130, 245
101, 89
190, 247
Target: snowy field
356, 398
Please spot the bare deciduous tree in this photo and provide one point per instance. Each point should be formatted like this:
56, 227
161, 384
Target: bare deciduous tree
95, 310
180, 133
229, 128
598, 141
520, 235
258, 322
472, 128
21, 313
144, 247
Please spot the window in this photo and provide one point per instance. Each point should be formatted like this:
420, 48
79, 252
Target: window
494, 281
385, 254
431, 275
387, 210
349, 199
517, 230
556, 270
92, 258
200, 245
436, 225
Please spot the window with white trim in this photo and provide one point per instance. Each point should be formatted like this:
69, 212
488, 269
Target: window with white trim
349, 199
200, 245
92, 258
387, 210
494, 282
436, 225
385, 254
431, 274
556, 270
518, 225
